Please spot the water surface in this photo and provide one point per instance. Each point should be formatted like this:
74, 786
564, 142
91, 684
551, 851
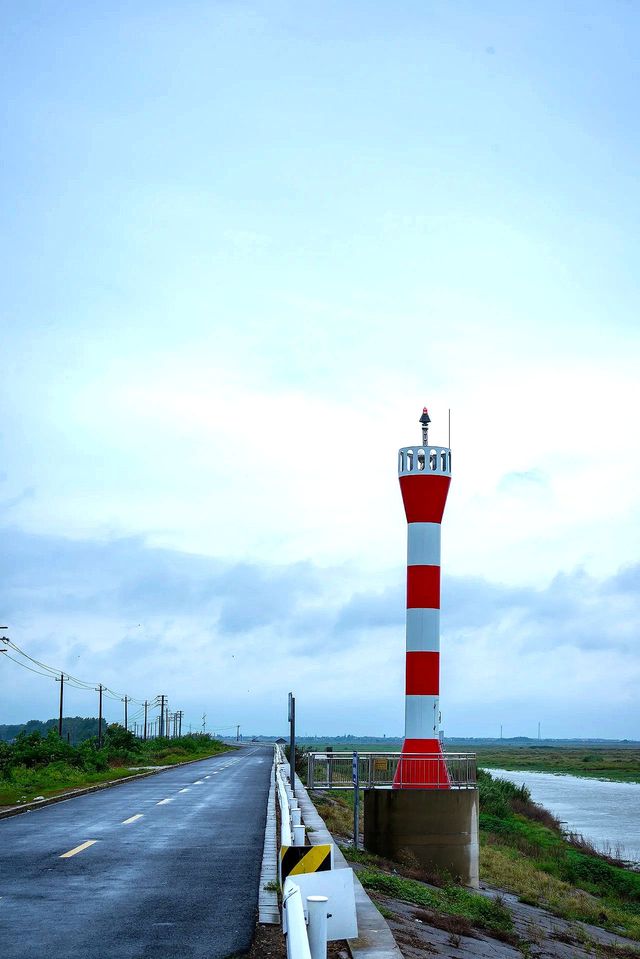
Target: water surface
606, 813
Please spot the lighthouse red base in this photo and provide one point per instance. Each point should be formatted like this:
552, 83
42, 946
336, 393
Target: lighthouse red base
422, 766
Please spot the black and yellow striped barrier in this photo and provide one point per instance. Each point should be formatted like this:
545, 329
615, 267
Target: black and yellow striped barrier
295, 860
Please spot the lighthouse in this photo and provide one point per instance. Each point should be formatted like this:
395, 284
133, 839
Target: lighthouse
432, 810
424, 472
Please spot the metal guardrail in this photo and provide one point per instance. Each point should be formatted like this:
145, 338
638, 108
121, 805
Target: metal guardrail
306, 929
381, 770
292, 831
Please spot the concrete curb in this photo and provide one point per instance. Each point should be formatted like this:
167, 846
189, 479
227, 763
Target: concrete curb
268, 911
375, 939
84, 790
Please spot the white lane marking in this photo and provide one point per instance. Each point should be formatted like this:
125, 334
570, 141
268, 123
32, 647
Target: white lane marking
207, 777
164, 801
77, 849
125, 822
198, 782
185, 790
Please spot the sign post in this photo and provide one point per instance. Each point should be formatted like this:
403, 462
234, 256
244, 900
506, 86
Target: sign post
356, 800
292, 742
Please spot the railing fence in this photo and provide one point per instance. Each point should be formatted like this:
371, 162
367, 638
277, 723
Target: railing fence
329, 770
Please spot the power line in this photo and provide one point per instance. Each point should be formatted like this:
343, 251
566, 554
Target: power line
50, 672
30, 668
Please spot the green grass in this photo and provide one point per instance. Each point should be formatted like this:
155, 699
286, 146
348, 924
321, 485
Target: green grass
26, 784
47, 766
621, 765
452, 900
524, 850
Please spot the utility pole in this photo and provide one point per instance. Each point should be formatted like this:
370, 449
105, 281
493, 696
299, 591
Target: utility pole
204, 722
180, 715
99, 690
161, 726
126, 718
61, 681
146, 706
237, 734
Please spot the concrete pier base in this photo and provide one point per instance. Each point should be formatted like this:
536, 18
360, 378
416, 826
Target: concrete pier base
437, 826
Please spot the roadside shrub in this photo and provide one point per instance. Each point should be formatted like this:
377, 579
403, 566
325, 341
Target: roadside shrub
497, 795
599, 877
33, 750
120, 740
6, 758
301, 759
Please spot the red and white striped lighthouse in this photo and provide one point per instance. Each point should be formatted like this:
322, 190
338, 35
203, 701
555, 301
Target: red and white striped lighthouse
425, 474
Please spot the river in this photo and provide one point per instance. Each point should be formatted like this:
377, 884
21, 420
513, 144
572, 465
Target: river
606, 813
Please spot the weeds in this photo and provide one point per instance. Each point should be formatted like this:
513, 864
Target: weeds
336, 808
434, 877
525, 850
506, 868
453, 900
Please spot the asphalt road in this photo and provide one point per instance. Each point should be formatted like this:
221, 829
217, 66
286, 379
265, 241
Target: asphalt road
170, 868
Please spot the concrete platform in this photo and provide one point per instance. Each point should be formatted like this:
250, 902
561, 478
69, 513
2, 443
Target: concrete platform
437, 826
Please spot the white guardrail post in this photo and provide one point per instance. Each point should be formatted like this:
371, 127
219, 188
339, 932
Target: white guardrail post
317, 932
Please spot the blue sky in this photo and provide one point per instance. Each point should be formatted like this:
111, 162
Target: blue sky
244, 243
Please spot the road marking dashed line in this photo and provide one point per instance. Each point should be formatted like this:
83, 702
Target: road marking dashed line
125, 822
77, 849
164, 801
185, 790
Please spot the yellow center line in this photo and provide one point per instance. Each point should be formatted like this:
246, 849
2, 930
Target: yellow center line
74, 852
126, 822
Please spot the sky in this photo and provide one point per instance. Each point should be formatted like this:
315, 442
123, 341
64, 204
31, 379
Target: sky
243, 243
